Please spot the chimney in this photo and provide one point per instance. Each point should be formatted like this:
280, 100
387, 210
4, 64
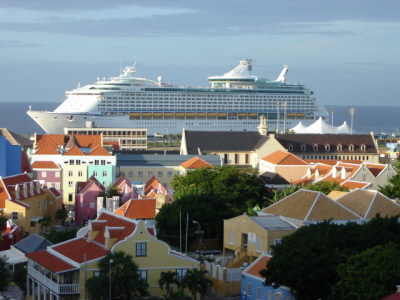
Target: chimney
263, 128
17, 191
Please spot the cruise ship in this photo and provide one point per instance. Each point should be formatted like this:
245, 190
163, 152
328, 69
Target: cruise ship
233, 102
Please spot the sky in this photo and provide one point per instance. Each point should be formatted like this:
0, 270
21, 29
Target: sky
346, 51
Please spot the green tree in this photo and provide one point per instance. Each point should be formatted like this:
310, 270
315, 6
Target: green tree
196, 282
208, 209
19, 276
325, 187
168, 279
371, 274
61, 215
60, 236
306, 260
284, 192
243, 189
392, 189
125, 280
109, 192
5, 275
97, 287
46, 221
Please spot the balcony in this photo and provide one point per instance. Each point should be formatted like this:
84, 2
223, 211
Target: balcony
60, 289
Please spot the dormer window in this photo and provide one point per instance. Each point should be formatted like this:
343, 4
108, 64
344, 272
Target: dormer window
363, 147
290, 147
339, 147
327, 147
303, 147
315, 147
351, 147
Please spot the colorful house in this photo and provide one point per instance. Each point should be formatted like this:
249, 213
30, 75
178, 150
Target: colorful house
253, 287
10, 158
25, 202
60, 271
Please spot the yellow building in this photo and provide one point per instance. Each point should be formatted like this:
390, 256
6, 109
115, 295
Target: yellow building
24, 202
60, 271
247, 237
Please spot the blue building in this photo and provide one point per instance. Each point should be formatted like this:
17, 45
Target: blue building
253, 287
10, 158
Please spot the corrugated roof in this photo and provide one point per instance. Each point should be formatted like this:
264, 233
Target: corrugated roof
273, 223
172, 160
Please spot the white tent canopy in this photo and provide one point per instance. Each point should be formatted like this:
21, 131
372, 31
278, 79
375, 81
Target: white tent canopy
321, 127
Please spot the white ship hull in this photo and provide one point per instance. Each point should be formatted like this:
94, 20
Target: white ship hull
234, 102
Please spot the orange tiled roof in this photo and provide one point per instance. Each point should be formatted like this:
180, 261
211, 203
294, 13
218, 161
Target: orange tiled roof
51, 262
153, 184
99, 151
375, 169
352, 185
58, 138
88, 141
45, 165
258, 265
46, 150
195, 163
285, 158
75, 249
138, 209
74, 151
332, 162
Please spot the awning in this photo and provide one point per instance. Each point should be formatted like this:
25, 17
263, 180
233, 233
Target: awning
36, 218
13, 256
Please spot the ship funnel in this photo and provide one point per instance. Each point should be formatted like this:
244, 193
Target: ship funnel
282, 76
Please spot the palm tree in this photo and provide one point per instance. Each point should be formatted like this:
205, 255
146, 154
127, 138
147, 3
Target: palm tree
196, 282
46, 221
126, 282
168, 278
61, 215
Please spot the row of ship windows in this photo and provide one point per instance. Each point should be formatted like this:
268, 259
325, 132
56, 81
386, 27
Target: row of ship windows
207, 96
168, 102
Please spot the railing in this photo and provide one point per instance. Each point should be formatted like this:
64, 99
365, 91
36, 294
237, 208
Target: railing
241, 254
50, 284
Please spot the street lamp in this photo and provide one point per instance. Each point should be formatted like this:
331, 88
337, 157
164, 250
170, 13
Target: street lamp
111, 261
331, 110
199, 236
351, 112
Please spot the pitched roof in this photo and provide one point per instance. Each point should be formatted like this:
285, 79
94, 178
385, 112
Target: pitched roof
138, 209
281, 157
271, 222
15, 138
308, 205
45, 165
368, 203
32, 243
273, 178
46, 150
72, 142
74, 151
296, 141
57, 138
223, 141
99, 151
50, 262
196, 163
88, 141
258, 265
153, 184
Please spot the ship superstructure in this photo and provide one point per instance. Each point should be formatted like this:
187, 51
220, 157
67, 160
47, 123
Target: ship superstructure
234, 102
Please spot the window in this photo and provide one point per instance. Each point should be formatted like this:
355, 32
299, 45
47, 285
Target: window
96, 162
105, 183
70, 173
269, 295
142, 274
91, 204
327, 147
231, 237
351, 147
58, 185
70, 183
258, 296
95, 173
80, 173
141, 249
78, 162
39, 205
150, 173
14, 215
226, 158
130, 173
160, 173
71, 162
290, 147
315, 147
70, 197
339, 147
44, 174
248, 289
236, 158
181, 274
103, 162
58, 174
258, 248
246, 159
169, 173
303, 147
140, 173
104, 173
45, 203
96, 273
277, 241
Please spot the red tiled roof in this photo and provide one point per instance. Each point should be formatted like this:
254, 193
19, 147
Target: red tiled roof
281, 157
45, 165
99, 151
88, 141
258, 265
74, 151
55, 192
77, 248
138, 209
50, 262
7, 189
195, 163
375, 169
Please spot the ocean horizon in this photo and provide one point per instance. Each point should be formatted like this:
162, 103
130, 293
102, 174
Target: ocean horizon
366, 119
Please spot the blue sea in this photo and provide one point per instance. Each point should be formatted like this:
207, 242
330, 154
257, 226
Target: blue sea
366, 118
